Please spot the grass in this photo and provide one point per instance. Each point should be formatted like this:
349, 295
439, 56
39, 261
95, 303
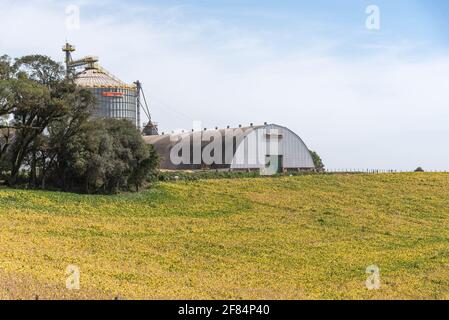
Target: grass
303, 237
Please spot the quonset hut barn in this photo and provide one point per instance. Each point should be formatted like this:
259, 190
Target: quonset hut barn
266, 147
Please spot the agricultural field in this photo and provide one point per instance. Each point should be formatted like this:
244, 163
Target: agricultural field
305, 237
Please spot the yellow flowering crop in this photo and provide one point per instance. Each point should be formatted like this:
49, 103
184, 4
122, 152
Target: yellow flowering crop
270, 238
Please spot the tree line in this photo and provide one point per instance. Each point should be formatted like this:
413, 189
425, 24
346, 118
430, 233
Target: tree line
49, 140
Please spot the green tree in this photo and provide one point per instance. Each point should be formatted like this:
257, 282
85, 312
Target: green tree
38, 98
41, 69
108, 155
133, 159
136, 160
6, 70
33, 109
27, 95
78, 105
319, 166
89, 157
6, 67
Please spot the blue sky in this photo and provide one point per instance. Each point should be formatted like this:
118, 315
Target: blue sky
414, 20
361, 98
420, 21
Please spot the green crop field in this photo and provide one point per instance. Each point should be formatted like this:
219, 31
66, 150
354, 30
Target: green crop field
303, 237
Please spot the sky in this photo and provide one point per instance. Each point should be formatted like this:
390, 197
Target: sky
363, 93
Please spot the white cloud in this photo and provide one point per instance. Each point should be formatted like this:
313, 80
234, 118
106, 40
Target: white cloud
381, 111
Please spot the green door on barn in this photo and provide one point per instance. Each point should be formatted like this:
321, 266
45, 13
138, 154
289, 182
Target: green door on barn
274, 164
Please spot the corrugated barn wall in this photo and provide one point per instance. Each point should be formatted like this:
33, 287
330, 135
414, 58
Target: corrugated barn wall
283, 146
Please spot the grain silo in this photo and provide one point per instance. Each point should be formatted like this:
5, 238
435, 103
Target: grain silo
115, 98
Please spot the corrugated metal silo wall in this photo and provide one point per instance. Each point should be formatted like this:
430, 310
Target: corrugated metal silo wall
117, 107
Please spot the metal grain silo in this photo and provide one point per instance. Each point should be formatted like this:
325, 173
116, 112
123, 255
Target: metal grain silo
115, 98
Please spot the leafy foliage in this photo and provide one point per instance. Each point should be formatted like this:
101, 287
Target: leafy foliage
319, 166
106, 156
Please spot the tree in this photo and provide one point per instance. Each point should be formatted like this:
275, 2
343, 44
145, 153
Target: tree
319, 166
28, 96
37, 96
89, 157
6, 137
5, 141
33, 110
108, 155
146, 169
78, 105
41, 69
140, 159
6, 68
133, 159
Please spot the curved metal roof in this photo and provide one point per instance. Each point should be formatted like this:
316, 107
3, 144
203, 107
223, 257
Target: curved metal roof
99, 78
296, 155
